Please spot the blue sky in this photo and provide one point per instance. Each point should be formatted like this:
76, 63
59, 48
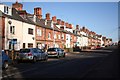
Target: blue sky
100, 17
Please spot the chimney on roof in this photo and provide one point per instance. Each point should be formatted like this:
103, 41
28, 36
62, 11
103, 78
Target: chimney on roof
38, 12
58, 21
48, 16
54, 19
62, 23
17, 6
70, 26
67, 25
77, 27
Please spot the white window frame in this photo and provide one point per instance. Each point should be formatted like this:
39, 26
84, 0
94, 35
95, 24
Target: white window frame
39, 32
6, 9
58, 36
12, 29
55, 36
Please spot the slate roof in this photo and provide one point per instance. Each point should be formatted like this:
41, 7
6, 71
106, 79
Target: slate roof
40, 22
15, 15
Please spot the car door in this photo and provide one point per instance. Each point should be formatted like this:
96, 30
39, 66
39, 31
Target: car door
40, 55
36, 54
60, 52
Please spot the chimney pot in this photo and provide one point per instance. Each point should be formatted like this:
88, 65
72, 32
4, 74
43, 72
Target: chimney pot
58, 21
54, 19
17, 6
70, 26
62, 23
48, 16
77, 27
67, 25
38, 12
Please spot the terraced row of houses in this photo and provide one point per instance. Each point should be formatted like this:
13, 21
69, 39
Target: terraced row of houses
20, 29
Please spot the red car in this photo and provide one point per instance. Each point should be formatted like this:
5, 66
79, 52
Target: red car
98, 47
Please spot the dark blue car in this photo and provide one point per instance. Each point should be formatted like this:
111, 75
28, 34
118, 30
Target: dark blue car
5, 60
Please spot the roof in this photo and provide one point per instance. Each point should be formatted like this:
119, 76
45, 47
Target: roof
15, 15
26, 18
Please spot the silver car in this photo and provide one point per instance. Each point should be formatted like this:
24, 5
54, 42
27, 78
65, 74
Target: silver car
32, 54
56, 52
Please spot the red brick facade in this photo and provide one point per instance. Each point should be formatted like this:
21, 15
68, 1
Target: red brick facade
2, 32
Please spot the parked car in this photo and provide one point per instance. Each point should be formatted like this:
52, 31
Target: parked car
56, 52
5, 60
32, 54
119, 44
98, 47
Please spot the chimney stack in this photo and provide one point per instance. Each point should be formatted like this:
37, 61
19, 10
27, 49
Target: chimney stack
70, 26
48, 16
58, 21
54, 19
38, 12
62, 23
77, 27
67, 25
17, 6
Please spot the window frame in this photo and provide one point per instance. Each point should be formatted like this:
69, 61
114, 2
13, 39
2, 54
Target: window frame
12, 29
30, 31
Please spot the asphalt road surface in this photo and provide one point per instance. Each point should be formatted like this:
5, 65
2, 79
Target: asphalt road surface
84, 65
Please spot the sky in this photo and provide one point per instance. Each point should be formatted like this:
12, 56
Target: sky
100, 17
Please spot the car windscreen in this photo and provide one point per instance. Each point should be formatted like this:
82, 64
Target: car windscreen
24, 50
51, 49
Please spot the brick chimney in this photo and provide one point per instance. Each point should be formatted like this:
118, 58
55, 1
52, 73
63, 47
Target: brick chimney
83, 29
58, 21
62, 23
77, 27
38, 12
54, 19
67, 25
70, 26
17, 6
48, 16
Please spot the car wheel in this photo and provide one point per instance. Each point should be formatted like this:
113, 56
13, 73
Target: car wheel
34, 59
5, 65
58, 56
64, 55
46, 58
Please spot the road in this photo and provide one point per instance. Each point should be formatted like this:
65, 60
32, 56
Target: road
83, 65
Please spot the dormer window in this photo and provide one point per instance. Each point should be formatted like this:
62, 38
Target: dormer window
6, 9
